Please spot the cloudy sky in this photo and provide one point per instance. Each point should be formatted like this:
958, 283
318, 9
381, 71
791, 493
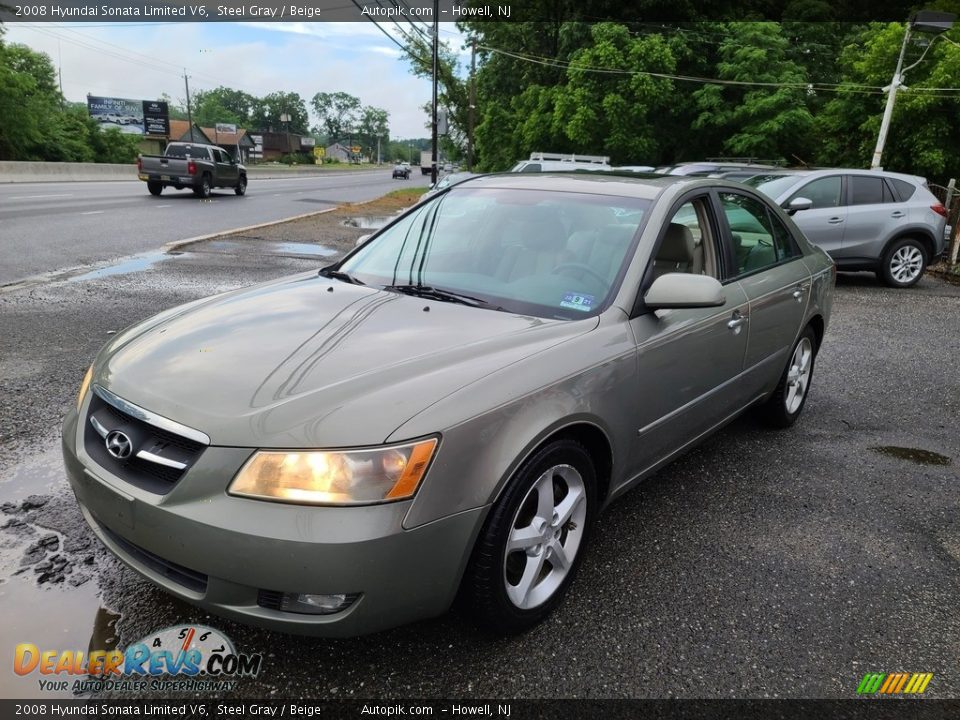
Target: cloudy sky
142, 61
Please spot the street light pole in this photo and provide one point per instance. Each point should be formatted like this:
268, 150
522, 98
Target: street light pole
928, 21
436, 36
891, 99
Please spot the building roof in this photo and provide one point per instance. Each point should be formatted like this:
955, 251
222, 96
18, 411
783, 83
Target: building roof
180, 128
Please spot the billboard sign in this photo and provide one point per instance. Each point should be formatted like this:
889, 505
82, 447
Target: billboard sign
156, 118
122, 113
307, 142
226, 128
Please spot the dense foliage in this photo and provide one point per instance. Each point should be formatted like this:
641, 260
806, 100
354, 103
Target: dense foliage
652, 93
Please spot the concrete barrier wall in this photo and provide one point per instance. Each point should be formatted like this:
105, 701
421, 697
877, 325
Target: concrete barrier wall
25, 172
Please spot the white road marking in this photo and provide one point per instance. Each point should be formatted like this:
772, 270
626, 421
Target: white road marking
35, 197
93, 212
163, 206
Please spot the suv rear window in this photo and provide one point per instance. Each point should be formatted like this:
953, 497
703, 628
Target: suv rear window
903, 188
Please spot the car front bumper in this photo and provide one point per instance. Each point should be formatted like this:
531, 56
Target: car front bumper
222, 552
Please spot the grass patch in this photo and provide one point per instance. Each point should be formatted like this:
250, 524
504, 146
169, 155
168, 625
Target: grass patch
407, 194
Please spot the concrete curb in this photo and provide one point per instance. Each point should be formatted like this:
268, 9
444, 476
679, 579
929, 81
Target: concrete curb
177, 244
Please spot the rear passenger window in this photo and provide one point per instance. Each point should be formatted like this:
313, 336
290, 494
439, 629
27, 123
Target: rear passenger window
825, 192
904, 189
782, 240
867, 190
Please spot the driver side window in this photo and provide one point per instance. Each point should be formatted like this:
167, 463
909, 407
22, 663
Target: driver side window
688, 245
751, 232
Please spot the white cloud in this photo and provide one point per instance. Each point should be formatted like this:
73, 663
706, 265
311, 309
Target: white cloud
144, 62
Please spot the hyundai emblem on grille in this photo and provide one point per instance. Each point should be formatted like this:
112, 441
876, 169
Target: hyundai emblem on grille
119, 445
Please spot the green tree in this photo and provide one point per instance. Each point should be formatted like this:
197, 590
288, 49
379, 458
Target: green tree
266, 112
771, 121
30, 103
339, 114
223, 105
373, 125
923, 137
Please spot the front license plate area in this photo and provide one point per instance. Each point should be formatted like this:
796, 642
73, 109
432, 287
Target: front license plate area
108, 503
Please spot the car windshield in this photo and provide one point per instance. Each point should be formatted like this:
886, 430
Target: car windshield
772, 185
548, 254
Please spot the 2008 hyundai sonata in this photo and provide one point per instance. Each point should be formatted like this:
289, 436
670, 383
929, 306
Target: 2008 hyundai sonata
447, 409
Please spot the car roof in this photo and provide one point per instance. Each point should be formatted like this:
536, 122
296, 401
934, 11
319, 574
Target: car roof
594, 182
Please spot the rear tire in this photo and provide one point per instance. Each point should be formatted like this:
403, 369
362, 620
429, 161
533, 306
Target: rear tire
241, 187
204, 189
544, 516
903, 263
155, 188
782, 409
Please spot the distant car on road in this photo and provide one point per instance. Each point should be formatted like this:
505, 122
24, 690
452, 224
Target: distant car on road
446, 410
886, 222
401, 171
194, 165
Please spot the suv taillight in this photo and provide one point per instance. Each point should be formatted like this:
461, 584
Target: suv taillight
939, 209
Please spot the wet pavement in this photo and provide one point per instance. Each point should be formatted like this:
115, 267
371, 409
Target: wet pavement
762, 564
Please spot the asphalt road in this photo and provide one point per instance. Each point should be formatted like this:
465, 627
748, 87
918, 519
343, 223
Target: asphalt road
762, 564
48, 227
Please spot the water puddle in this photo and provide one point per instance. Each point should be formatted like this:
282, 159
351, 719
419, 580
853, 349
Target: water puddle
48, 574
921, 457
305, 249
368, 222
138, 263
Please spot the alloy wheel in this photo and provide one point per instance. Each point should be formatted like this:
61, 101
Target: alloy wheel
906, 264
545, 536
798, 375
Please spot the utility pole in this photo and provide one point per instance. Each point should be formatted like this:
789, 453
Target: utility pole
436, 37
60, 71
891, 98
186, 84
473, 101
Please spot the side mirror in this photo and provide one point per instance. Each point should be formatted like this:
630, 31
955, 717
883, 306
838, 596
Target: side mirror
683, 290
797, 204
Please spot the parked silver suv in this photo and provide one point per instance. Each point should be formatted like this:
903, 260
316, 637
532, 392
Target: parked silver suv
866, 220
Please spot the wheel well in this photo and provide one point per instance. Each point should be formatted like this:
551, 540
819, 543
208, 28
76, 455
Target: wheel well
921, 235
816, 322
597, 444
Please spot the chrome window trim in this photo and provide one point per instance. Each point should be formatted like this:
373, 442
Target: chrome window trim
150, 418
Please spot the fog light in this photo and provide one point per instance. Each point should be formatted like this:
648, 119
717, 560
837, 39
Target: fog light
316, 604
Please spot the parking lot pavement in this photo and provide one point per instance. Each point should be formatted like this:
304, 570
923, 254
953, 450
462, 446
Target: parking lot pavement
763, 564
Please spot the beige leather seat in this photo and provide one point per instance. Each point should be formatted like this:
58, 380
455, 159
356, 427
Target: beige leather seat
538, 244
677, 252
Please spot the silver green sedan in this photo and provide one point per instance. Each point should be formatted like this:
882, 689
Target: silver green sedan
445, 411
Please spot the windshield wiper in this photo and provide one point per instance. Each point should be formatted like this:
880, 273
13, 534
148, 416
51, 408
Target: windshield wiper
337, 275
433, 293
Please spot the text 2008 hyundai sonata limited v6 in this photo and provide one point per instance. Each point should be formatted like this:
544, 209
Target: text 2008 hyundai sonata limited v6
448, 407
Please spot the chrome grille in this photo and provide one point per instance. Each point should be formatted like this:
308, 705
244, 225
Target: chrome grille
158, 457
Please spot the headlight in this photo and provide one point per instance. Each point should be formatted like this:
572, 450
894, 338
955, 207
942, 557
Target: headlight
84, 386
335, 477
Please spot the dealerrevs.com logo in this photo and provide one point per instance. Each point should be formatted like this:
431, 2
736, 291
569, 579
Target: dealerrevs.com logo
899, 683
188, 658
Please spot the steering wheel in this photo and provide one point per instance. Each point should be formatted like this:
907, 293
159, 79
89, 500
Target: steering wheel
583, 267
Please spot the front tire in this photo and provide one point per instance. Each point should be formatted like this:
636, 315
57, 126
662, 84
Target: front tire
155, 188
533, 540
783, 408
903, 263
241, 188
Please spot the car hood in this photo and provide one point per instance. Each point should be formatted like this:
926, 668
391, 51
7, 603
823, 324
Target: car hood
312, 362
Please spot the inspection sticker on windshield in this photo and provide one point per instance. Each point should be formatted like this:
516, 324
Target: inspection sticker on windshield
576, 301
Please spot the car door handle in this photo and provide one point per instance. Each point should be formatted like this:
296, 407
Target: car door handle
737, 322
897, 214
835, 220
798, 293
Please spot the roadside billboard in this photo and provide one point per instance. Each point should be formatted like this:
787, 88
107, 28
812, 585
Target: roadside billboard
156, 118
122, 113
135, 117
